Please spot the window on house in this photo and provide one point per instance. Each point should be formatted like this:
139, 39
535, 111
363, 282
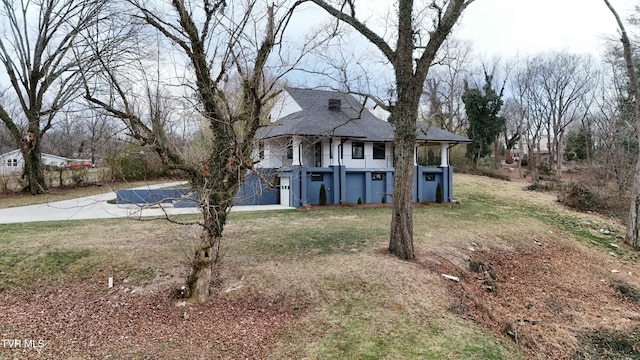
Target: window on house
8, 162
379, 151
290, 150
357, 150
377, 176
261, 150
15, 162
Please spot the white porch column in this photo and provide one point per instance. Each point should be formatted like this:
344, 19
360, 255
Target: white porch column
335, 151
415, 156
444, 155
297, 150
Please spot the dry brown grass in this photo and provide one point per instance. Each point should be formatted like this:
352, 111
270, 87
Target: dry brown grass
326, 276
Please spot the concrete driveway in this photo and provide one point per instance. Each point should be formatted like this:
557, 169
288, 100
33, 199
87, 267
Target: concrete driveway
96, 207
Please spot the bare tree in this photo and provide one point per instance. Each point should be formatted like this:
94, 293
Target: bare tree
445, 85
613, 120
411, 60
41, 53
631, 237
562, 87
98, 132
521, 84
64, 138
552, 90
220, 41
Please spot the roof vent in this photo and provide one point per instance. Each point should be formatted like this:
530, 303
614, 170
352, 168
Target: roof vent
335, 104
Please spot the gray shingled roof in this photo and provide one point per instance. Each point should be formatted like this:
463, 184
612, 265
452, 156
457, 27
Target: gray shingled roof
430, 133
350, 121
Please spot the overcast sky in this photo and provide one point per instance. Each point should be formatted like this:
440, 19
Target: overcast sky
510, 27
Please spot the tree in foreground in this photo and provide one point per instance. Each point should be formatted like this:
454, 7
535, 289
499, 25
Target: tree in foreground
222, 46
631, 237
41, 53
411, 60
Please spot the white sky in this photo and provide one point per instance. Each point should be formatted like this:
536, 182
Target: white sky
511, 27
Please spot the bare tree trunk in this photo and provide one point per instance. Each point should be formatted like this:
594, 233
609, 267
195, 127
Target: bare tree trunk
410, 75
208, 253
34, 173
31, 152
401, 237
631, 237
40, 53
199, 279
559, 153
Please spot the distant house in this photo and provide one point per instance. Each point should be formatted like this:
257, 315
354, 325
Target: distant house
539, 151
542, 150
329, 138
13, 162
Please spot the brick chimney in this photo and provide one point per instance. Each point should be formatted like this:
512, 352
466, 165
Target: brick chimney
335, 104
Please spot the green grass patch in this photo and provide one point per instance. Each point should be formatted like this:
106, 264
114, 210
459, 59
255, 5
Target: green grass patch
362, 328
488, 206
23, 231
303, 234
42, 252
406, 339
24, 269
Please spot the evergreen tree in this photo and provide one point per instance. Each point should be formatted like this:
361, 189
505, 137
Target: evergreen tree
439, 197
322, 197
579, 144
482, 107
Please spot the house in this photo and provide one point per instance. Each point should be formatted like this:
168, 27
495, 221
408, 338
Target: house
538, 151
328, 138
13, 162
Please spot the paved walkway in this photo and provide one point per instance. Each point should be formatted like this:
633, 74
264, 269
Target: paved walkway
96, 207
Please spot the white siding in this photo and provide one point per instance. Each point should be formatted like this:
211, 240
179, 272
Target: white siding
13, 161
275, 154
285, 105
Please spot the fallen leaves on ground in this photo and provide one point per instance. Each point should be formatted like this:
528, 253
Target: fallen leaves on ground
87, 320
545, 297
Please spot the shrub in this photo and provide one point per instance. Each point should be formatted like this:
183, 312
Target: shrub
359, 201
489, 172
439, 193
323, 195
383, 200
78, 176
487, 162
579, 198
134, 163
544, 168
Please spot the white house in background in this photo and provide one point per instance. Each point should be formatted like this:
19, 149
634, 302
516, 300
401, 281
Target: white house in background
328, 138
13, 162
540, 151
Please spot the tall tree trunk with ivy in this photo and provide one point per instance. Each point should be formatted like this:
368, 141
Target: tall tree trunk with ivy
631, 237
33, 172
411, 60
232, 118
